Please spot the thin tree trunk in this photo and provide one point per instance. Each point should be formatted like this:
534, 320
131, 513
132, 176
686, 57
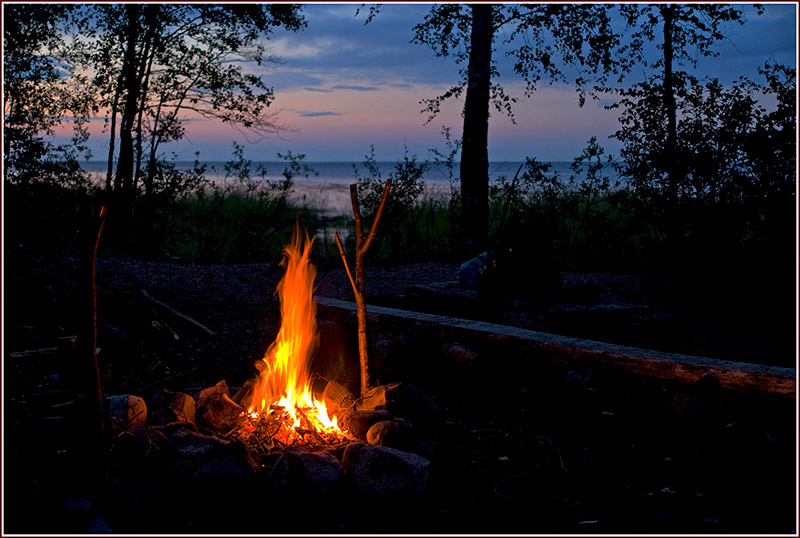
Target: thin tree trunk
113, 135
125, 163
146, 68
668, 12
474, 149
149, 186
673, 224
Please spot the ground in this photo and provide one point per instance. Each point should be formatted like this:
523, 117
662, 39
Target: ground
529, 462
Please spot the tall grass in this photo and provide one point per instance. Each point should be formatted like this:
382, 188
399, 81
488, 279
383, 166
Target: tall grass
226, 227
238, 220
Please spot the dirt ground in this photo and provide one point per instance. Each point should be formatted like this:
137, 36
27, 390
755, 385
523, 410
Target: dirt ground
577, 461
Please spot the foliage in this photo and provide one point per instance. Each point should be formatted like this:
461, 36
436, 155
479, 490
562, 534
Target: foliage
159, 65
446, 227
542, 39
549, 42
238, 220
734, 160
696, 29
38, 96
589, 221
407, 187
149, 68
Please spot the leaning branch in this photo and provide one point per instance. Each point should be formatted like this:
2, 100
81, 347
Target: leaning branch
344, 261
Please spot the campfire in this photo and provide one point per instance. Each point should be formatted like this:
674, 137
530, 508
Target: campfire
284, 410
281, 425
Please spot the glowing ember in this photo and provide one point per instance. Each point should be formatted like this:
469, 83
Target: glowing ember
283, 399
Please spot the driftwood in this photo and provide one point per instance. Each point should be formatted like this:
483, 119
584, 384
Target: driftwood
63, 341
177, 314
32, 352
362, 244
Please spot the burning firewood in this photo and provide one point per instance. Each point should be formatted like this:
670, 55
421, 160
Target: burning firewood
283, 409
362, 244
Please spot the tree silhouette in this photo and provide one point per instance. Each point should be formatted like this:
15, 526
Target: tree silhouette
685, 29
543, 39
38, 96
156, 65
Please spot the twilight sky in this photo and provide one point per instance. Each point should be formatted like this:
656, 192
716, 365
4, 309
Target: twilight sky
345, 85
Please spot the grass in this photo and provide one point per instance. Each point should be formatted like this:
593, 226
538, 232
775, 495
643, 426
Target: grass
613, 230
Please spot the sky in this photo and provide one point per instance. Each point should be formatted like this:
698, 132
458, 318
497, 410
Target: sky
344, 86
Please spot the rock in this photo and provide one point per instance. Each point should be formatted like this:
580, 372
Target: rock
127, 411
403, 400
336, 398
358, 423
244, 396
73, 504
202, 456
470, 272
307, 472
172, 407
217, 410
397, 434
460, 355
380, 470
99, 526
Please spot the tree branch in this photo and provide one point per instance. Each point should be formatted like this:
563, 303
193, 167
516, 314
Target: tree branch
344, 261
378, 214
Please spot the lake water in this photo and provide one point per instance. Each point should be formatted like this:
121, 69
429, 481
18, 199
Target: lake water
328, 191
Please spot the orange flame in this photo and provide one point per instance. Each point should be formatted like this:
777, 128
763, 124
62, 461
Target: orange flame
284, 382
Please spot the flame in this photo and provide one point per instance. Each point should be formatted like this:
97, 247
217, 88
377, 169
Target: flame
284, 382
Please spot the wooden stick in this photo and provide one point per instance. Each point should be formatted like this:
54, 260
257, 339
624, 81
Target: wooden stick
358, 283
93, 222
171, 310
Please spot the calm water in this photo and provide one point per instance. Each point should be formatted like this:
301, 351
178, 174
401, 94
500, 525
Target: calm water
328, 190
335, 172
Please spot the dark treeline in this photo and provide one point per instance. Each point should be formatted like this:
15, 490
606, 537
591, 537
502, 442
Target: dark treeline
709, 165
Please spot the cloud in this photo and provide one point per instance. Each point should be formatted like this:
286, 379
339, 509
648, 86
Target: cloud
285, 47
355, 88
321, 90
318, 114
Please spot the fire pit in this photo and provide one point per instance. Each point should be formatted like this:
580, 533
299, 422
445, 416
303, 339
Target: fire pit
277, 429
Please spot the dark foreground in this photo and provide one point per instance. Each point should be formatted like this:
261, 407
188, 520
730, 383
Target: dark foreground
518, 451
